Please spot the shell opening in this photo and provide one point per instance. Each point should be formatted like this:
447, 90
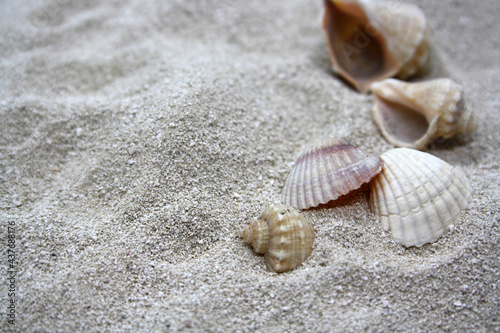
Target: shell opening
402, 122
357, 51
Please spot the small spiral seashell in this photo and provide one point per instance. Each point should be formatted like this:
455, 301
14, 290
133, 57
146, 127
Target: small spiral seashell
373, 40
283, 235
417, 196
328, 169
413, 115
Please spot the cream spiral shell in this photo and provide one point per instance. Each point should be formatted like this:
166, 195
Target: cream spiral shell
283, 235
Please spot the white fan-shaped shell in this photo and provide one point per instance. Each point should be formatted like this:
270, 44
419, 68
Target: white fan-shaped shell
413, 115
328, 169
417, 196
373, 40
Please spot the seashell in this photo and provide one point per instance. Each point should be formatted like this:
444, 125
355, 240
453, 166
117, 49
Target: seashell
417, 196
283, 235
326, 170
370, 41
413, 115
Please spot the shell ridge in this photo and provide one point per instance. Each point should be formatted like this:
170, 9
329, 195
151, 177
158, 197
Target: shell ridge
410, 232
450, 209
374, 196
288, 247
350, 171
361, 171
383, 181
330, 181
297, 244
468, 122
325, 186
275, 252
465, 187
318, 191
394, 186
453, 207
371, 161
307, 185
385, 218
301, 187
336, 174
461, 199
428, 201
379, 198
358, 174
295, 189
424, 172
441, 187
415, 208
453, 108
309, 170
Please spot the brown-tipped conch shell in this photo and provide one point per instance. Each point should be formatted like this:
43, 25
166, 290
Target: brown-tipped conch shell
417, 196
326, 170
282, 235
373, 40
413, 115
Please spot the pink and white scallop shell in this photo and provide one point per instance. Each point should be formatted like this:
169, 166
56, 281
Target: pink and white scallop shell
326, 170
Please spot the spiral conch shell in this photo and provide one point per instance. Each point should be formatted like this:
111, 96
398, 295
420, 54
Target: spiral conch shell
373, 40
417, 196
413, 115
328, 169
283, 235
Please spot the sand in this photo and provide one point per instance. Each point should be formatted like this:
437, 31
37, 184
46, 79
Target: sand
139, 137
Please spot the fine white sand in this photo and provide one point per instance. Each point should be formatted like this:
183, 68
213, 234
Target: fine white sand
139, 137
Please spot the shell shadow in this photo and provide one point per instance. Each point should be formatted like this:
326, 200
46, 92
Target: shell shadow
360, 195
437, 68
319, 56
448, 144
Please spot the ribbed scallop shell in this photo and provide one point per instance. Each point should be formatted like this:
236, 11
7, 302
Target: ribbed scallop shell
326, 170
373, 40
417, 196
413, 115
283, 235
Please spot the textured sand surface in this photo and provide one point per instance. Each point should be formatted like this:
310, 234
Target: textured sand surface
138, 137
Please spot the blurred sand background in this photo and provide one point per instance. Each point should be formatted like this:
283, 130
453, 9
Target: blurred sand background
139, 137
